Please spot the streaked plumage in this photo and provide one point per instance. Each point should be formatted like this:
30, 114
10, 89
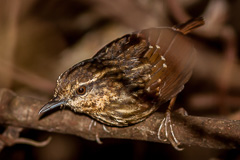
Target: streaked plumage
131, 77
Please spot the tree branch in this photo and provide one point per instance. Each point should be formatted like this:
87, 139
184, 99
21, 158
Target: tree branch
190, 130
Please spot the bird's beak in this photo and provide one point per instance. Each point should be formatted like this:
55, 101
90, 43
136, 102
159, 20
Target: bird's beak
51, 105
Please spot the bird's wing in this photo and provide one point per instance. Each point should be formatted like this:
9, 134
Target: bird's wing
156, 62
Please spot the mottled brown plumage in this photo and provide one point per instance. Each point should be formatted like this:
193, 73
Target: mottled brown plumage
129, 78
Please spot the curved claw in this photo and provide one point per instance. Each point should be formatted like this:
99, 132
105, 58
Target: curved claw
159, 130
98, 140
105, 129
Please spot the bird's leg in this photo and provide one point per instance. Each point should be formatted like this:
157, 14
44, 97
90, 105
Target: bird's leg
168, 127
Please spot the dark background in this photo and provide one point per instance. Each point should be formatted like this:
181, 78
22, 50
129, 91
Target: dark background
41, 39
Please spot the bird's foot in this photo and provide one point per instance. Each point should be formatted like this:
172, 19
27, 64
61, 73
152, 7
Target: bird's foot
94, 123
167, 127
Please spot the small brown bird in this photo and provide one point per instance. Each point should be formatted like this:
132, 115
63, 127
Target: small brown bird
130, 78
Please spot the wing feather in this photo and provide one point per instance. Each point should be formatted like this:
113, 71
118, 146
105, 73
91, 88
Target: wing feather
155, 62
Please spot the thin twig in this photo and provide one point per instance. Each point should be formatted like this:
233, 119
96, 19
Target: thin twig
32, 142
10, 140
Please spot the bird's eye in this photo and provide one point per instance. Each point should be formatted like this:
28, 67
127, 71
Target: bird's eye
81, 90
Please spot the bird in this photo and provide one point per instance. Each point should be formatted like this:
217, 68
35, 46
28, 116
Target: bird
130, 78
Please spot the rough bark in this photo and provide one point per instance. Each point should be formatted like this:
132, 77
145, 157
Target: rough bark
190, 130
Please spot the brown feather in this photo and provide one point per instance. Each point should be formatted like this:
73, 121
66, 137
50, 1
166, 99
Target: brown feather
130, 77
163, 55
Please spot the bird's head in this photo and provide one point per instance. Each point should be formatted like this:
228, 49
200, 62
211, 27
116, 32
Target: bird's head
83, 87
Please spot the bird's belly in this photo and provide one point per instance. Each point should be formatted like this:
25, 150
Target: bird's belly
124, 114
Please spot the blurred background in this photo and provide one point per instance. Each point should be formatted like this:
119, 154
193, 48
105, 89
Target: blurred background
41, 39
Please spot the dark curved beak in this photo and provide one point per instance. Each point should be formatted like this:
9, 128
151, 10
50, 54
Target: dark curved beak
51, 105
